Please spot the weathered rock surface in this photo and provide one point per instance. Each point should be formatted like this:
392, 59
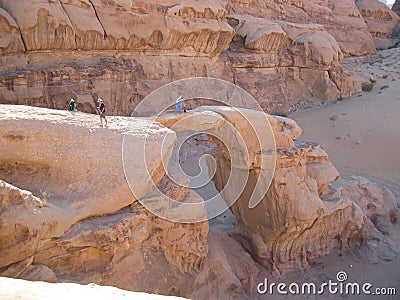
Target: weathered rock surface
198, 26
121, 51
380, 21
342, 19
92, 156
266, 48
299, 218
123, 79
10, 37
82, 229
89, 155
377, 202
21, 289
95, 25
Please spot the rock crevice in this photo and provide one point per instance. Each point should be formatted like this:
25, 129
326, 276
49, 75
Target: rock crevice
98, 19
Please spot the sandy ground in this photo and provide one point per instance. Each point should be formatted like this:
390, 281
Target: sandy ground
361, 135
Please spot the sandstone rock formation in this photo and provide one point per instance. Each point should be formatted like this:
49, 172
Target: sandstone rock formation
341, 19
57, 170
380, 20
11, 41
81, 229
377, 202
94, 25
299, 218
21, 289
396, 7
264, 48
82, 223
87, 155
121, 51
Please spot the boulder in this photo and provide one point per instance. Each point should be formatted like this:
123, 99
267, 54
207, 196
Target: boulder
377, 201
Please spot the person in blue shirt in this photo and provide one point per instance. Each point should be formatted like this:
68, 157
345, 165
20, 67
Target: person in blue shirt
179, 104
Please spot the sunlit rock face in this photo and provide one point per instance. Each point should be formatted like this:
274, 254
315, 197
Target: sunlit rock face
123, 50
304, 213
68, 214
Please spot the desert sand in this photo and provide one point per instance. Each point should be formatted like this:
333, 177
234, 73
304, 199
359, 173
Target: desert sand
361, 133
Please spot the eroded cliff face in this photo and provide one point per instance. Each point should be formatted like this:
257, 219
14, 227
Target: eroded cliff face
381, 22
119, 25
351, 23
121, 51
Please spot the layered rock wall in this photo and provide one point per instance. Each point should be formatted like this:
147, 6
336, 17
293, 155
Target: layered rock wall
341, 19
121, 51
118, 25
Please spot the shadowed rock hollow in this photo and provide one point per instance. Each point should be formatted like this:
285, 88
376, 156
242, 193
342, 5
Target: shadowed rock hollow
396, 7
84, 227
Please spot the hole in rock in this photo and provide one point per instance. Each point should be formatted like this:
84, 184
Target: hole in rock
196, 154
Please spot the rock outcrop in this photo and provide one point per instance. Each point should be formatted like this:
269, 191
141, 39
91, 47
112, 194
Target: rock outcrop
72, 158
117, 25
341, 19
79, 175
299, 218
380, 20
121, 51
264, 48
11, 41
82, 222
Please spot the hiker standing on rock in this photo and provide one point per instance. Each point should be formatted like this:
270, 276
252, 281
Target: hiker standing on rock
71, 105
102, 109
179, 104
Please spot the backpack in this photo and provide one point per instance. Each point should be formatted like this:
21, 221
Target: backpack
72, 105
